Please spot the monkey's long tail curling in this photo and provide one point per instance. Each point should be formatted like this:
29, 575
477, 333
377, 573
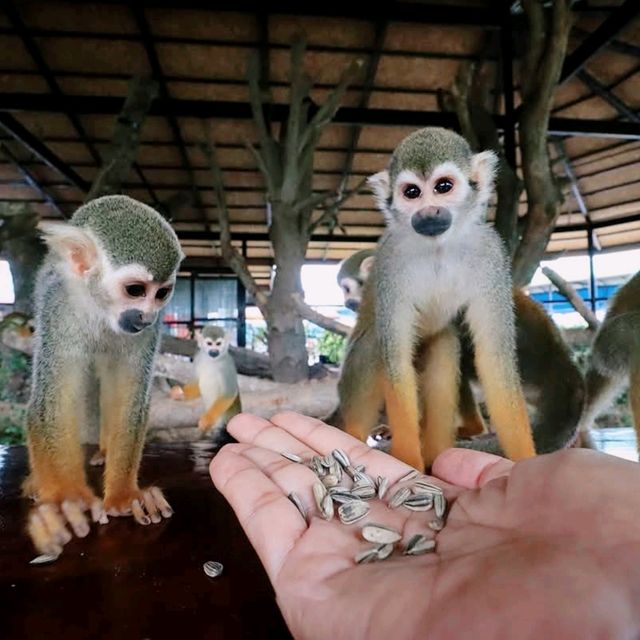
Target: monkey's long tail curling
617, 341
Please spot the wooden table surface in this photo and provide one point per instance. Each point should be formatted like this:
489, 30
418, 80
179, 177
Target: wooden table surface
128, 581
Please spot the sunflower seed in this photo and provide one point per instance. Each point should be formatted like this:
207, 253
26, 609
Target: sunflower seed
337, 489
351, 512
418, 545
399, 497
341, 457
359, 468
428, 486
364, 491
296, 500
361, 477
366, 556
350, 471
319, 494
327, 508
439, 504
330, 480
436, 525
384, 551
45, 558
327, 461
383, 485
342, 497
380, 534
336, 470
317, 466
409, 476
291, 456
212, 569
422, 502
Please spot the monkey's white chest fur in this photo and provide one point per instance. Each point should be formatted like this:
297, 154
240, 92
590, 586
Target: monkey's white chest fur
217, 377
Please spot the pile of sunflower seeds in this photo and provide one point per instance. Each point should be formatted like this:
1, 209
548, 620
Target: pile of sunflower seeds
335, 473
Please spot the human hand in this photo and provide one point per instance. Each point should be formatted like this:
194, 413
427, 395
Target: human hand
548, 547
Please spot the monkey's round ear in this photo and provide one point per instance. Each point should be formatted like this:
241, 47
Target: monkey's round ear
379, 182
483, 170
365, 267
74, 245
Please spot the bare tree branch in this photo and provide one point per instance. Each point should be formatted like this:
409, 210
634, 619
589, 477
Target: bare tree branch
230, 254
569, 292
124, 145
317, 318
333, 209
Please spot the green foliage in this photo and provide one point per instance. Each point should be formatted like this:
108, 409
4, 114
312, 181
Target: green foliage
331, 346
12, 426
15, 371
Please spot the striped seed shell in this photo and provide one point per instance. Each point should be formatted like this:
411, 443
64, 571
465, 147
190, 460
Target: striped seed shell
341, 457
380, 534
364, 491
384, 551
383, 485
212, 569
351, 512
418, 545
295, 498
421, 502
366, 556
319, 493
399, 497
439, 504
327, 508
409, 476
294, 457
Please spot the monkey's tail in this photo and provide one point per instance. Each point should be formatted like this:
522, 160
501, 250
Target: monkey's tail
616, 343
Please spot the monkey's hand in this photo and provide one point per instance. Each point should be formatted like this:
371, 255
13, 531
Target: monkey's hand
176, 393
146, 505
49, 522
204, 425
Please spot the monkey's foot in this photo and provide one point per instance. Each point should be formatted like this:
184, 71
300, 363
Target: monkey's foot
97, 459
48, 523
137, 502
204, 426
176, 393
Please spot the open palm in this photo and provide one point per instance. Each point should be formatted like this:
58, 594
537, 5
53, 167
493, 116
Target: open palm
549, 547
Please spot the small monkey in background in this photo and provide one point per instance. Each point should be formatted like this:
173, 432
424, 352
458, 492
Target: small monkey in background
437, 260
217, 382
615, 359
353, 273
107, 275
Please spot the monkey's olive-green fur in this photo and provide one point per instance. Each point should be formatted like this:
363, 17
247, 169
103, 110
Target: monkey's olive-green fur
132, 233
425, 149
212, 332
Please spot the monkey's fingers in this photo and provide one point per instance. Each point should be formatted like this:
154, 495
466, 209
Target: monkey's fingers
97, 459
73, 511
138, 513
204, 425
161, 502
176, 393
98, 514
48, 530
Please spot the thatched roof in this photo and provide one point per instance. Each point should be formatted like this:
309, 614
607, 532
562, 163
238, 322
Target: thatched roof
65, 69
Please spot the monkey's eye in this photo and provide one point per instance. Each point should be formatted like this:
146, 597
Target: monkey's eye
411, 191
218, 343
208, 343
136, 290
162, 293
346, 288
444, 185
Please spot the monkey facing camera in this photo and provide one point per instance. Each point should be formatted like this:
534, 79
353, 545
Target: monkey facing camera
107, 275
437, 260
216, 382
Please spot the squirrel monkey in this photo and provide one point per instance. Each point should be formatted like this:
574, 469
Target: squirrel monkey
107, 275
615, 358
551, 380
217, 381
436, 261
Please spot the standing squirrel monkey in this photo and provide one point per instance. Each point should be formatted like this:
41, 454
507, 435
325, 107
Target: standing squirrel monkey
437, 260
108, 274
217, 381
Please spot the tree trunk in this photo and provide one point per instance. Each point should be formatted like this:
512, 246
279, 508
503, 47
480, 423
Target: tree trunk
286, 336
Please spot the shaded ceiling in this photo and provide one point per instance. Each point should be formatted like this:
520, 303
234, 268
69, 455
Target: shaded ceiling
65, 69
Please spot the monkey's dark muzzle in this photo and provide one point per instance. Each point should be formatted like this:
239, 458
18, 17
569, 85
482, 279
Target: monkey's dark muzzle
213, 353
352, 304
134, 321
432, 221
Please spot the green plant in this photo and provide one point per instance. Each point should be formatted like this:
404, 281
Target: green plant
12, 426
331, 346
